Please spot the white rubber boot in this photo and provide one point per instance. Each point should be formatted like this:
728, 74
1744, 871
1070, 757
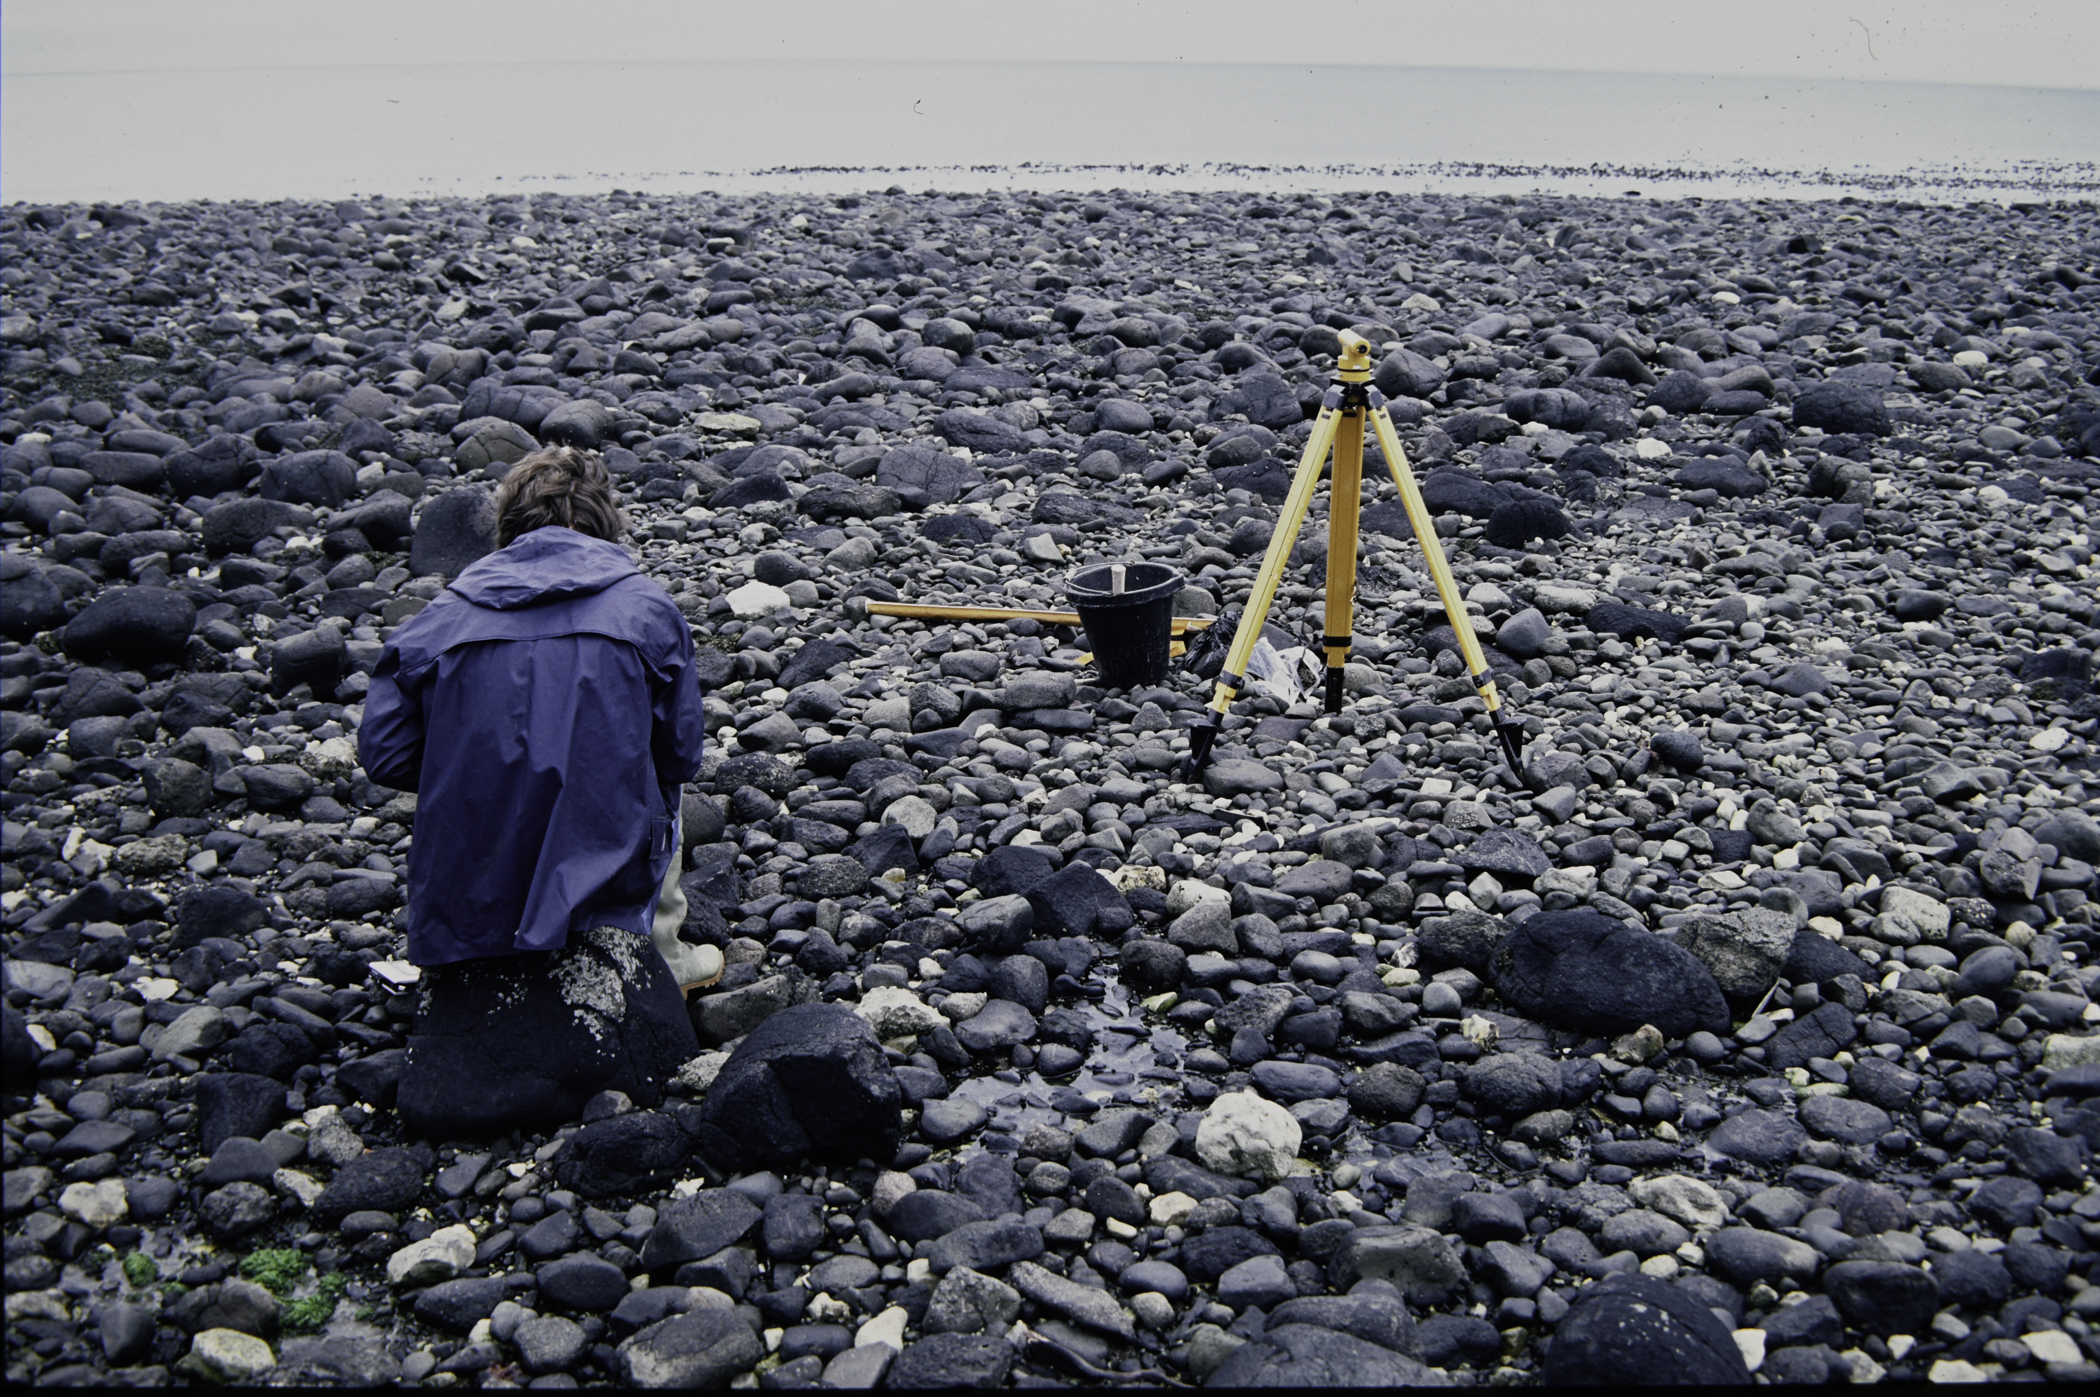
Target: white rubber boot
693, 967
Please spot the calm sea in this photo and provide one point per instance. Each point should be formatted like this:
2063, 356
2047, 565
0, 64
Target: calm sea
406, 130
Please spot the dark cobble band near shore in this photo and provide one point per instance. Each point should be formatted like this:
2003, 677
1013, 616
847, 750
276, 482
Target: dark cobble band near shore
1747, 1032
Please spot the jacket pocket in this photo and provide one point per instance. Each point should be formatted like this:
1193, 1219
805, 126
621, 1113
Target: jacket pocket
638, 880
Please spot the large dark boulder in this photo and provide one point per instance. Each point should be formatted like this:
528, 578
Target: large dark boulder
455, 529
1378, 1319
1681, 391
1311, 1359
175, 786
1556, 407
1853, 409
1265, 398
952, 1361
379, 1181
1584, 970
219, 464
1592, 460
702, 1348
134, 470
979, 431
1883, 1297
522, 1041
375, 1077
810, 1081
1010, 869
38, 505
236, 1103
2074, 833
1765, 1138
459, 1305
30, 603
1623, 364
1636, 622
922, 475
315, 658
324, 478
526, 404
1516, 523
696, 1227
1078, 901
622, 1155
755, 488
385, 518
271, 1049
1824, 1033
1724, 475
1456, 490
829, 500
1460, 940
1406, 374
1152, 965
217, 909
1636, 1331
585, 423
136, 626
122, 514
1270, 479
237, 525
2062, 673
93, 693
1514, 1084
817, 658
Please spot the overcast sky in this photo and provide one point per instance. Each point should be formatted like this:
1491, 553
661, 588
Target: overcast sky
2041, 43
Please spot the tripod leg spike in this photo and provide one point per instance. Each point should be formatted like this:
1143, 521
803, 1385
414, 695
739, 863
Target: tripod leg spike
1511, 734
1201, 736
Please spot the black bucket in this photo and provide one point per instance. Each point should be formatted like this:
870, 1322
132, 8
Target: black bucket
1129, 630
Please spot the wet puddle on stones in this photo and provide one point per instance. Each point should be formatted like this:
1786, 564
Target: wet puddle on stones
1126, 1048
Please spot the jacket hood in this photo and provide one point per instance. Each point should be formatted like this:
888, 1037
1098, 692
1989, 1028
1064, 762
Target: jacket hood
545, 565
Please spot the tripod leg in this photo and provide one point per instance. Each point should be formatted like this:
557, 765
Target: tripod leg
1234, 675
1509, 731
1344, 501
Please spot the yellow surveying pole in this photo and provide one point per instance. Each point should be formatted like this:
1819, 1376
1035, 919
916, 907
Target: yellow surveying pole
1345, 500
1350, 406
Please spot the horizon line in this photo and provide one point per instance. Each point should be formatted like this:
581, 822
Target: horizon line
8, 72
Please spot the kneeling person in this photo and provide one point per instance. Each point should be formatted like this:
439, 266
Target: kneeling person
544, 709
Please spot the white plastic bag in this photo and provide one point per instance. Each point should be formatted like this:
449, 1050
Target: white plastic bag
1280, 673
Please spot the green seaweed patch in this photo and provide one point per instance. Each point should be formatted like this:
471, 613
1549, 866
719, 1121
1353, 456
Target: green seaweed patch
315, 1310
140, 1270
276, 1269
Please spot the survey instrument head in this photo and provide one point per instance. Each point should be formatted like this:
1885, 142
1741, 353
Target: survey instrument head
1354, 362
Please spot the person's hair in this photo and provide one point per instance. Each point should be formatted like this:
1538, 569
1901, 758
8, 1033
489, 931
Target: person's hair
558, 487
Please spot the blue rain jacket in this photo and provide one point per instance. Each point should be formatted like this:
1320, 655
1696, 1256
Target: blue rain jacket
545, 710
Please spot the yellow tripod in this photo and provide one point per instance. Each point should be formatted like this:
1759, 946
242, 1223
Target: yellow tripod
1349, 405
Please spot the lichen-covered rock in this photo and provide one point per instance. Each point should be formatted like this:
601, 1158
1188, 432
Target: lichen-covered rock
525, 1040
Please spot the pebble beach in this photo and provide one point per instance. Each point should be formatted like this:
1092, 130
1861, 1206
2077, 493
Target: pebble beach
1746, 1033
